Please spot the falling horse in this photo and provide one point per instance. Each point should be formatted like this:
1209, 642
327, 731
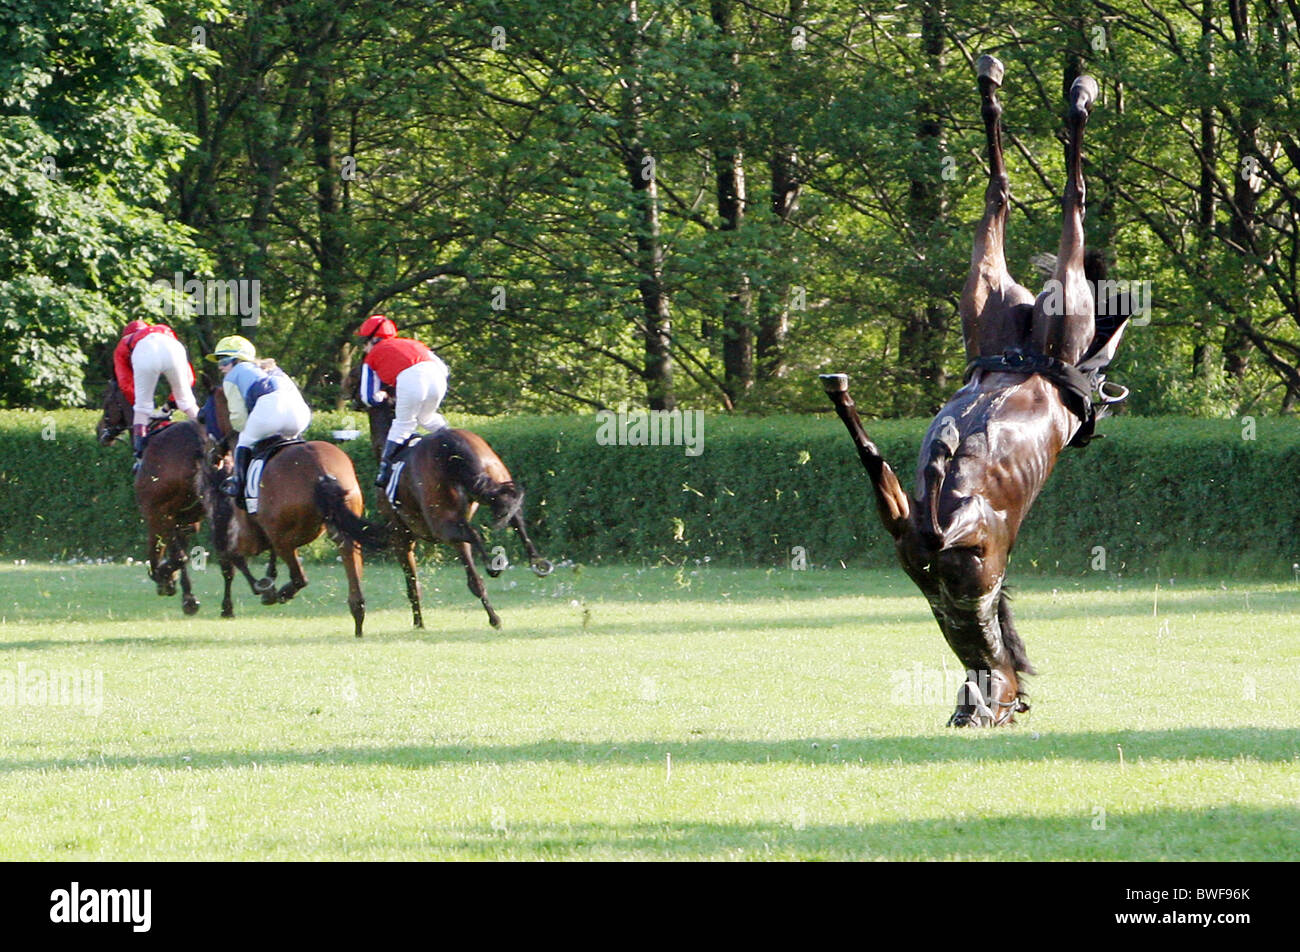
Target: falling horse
1034, 367
442, 479
303, 488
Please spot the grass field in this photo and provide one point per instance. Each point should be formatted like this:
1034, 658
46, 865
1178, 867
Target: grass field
640, 714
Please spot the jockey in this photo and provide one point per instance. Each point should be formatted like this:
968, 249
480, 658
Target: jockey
145, 353
416, 376
262, 401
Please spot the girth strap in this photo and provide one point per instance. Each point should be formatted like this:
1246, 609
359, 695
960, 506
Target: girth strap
1075, 386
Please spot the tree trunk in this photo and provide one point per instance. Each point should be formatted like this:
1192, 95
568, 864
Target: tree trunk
656, 326
728, 156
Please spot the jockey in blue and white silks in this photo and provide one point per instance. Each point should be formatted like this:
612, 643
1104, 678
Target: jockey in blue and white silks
262, 401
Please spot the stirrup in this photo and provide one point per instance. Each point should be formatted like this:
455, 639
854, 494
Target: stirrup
230, 486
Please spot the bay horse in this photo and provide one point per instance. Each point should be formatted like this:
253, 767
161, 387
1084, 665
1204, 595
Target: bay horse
169, 490
444, 478
1034, 366
304, 489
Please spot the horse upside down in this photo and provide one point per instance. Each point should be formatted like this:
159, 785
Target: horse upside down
988, 452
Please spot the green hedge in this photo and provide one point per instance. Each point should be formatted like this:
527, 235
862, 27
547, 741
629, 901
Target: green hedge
1159, 495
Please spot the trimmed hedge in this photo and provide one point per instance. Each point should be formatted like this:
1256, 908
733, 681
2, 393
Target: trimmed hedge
1158, 495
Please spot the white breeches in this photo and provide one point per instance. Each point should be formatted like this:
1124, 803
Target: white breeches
158, 355
282, 412
420, 389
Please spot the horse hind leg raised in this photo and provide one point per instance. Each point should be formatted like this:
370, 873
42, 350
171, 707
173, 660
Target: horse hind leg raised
1063, 322
991, 301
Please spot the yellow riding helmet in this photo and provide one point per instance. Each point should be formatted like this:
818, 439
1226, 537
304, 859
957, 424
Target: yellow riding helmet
234, 346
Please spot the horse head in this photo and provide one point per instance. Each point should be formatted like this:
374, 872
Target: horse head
116, 416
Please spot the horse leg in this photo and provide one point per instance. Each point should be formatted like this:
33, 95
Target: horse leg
181, 559
227, 578
1063, 322
160, 570
990, 295
297, 580
541, 567
266, 584
350, 553
406, 554
476, 583
892, 503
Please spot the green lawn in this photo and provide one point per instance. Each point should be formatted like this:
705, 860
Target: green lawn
627, 713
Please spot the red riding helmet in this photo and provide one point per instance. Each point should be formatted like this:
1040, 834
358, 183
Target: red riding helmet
377, 326
133, 328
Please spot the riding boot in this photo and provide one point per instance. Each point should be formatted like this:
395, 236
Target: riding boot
234, 484
137, 444
386, 463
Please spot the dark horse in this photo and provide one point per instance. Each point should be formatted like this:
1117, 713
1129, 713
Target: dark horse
444, 478
304, 489
1034, 365
169, 489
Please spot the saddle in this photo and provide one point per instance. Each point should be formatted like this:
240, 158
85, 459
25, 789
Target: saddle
1084, 388
263, 452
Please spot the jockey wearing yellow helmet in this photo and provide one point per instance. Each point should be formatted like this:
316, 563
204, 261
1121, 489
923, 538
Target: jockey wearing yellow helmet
262, 400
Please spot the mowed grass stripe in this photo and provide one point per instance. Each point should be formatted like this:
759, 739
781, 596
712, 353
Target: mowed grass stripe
628, 713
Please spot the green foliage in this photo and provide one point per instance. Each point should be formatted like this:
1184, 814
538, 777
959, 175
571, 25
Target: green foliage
1159, 496
84, 161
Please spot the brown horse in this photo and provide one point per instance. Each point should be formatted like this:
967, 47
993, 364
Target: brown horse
444, 478
166, 490
304, 489
1035, 363
169, 489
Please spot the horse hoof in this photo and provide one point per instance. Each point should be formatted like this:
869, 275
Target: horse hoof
990, 68
227, 613
263, 585
270, 598
835, 383
190, 606
543, 568
495, 621
1083, 93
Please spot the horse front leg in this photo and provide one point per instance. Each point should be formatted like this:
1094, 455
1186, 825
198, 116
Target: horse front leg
1063, 317
405, 550
541, 567
180, 558
990, 295
892, 503
227, 579
475, 582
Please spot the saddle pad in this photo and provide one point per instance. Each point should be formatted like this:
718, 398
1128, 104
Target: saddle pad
251, 483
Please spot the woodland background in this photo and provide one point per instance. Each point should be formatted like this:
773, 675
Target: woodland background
665, 204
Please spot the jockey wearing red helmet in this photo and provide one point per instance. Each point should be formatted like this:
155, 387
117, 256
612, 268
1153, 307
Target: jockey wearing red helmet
145, 353
417, 377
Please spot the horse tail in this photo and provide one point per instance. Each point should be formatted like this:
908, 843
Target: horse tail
1011, 639
464, 467
942, 449
331, 500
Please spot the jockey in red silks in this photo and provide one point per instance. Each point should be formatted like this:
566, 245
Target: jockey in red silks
145, 353
416, 377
